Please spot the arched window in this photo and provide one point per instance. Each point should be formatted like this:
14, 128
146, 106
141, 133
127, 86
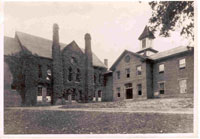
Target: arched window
78, 75
70, 74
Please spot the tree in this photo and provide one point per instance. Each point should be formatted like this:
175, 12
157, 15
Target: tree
170, 15
24, 71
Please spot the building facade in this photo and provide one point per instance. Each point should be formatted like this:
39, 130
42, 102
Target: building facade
38, 70
150, 74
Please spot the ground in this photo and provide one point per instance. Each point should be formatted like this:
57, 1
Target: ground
127, 117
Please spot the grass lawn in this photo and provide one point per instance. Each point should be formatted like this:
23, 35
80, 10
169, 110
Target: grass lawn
76, 122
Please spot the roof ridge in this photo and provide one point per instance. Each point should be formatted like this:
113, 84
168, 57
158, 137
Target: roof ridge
16, 32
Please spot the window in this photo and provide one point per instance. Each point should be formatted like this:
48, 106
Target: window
127, 59
70, 74
182, 63
118, 91
127, 73
39, 91
13, 87
139, 88
162, 88
73, 60
39, 71
144, 43
161, 68
118, 74
99, 93
139, 70
48, 73
78, 75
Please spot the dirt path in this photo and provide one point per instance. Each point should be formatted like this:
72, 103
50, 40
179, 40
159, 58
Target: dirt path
109, 110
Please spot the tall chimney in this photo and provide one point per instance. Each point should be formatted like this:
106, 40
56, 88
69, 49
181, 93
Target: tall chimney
89, 71
57, 70
56, 35
106, 62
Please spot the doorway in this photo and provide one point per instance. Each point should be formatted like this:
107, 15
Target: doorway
129, 90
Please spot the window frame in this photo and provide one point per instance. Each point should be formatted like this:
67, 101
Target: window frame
140, 89
118, 74
163, 68
163, 82
128, 72
180, 67
144, 42
137, 71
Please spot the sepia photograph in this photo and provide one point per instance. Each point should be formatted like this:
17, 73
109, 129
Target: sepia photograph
99, 68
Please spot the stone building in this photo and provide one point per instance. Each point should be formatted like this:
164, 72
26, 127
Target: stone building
41, 70
149, 73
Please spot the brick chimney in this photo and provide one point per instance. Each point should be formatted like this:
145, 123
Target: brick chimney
57, 71
89, 71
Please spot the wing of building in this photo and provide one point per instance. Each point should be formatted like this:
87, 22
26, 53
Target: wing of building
150, 74
81, 71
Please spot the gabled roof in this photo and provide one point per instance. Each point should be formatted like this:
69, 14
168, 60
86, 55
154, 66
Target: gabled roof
73, 46
11, 46
170, 52
95, 60
122, 55
146, 33
38, 45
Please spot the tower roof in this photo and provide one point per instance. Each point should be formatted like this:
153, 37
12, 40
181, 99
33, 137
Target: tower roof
146, 33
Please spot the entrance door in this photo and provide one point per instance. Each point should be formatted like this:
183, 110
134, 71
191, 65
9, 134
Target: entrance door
129, 93
183, 86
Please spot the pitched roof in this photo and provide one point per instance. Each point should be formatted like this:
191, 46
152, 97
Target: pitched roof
122, 55
37, 45
41, 46
146, 33
95, 60
170, 52
11, 46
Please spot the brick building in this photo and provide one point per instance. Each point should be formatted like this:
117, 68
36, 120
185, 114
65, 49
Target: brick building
149, 73
42, 70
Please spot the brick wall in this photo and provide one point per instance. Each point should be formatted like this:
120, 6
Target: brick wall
134, 78
173, 74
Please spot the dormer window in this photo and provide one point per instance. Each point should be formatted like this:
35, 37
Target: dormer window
144, 43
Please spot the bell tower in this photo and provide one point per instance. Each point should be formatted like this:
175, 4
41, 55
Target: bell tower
146, 42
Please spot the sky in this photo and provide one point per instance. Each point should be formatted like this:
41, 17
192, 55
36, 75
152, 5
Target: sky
114, 26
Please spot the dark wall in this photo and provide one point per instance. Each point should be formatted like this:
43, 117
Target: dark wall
11, 96
173, 74
108, 87
79, 63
